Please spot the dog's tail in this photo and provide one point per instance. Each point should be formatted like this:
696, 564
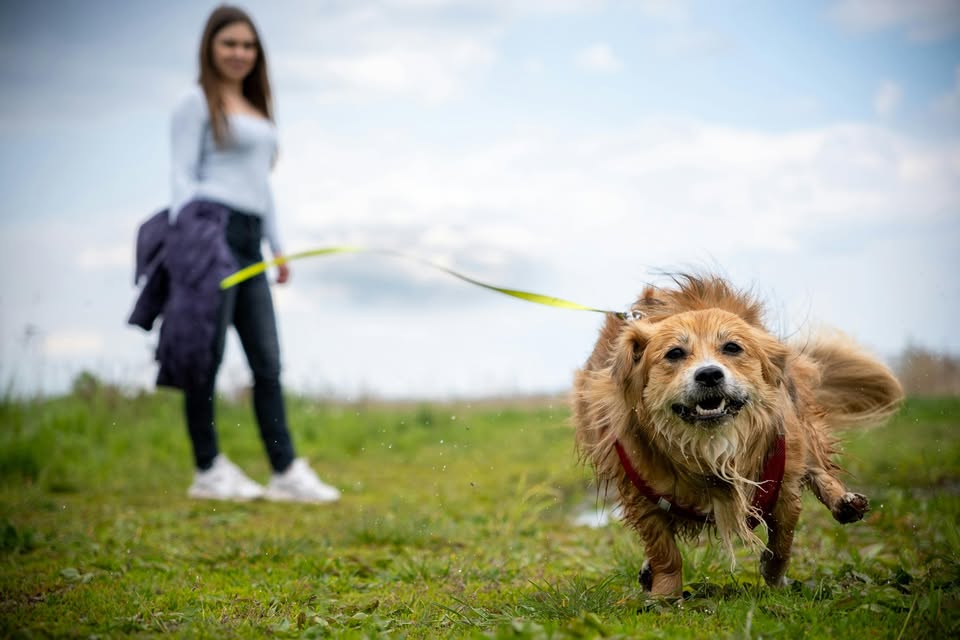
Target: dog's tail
855, 389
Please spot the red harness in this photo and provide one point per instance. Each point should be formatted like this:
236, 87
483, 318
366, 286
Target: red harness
764, 498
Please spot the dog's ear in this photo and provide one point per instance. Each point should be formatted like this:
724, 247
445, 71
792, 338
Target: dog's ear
773, 359
628, 350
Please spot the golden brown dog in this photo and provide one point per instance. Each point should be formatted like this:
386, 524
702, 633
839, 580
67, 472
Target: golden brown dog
702, 418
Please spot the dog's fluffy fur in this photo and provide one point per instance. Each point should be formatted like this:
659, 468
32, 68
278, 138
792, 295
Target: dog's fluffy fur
697, 391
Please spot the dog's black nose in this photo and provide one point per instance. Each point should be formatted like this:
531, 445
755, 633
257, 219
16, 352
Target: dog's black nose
709, 376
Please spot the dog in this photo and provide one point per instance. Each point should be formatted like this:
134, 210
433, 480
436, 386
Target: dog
703, 419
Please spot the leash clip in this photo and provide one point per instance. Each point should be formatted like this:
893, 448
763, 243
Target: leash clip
629, 314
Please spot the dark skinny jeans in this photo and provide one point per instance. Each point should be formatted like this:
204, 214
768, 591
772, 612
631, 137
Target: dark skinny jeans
249, 308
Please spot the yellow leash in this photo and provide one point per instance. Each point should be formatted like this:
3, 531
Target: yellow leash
259, 267
550, 301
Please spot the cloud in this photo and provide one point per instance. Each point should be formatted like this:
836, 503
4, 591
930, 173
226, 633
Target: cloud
887, 99
427, 51
359, 53
921, 20
502, 6
73, 342
948, 105
533, 65
430, 73
674, 191
666, 10
99, 258
598, 58
692, 41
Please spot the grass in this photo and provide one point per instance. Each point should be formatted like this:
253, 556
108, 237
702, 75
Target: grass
455, 523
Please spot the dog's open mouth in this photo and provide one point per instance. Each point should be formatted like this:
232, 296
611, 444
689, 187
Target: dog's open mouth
708, 409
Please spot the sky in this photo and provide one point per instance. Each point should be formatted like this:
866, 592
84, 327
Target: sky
808, 151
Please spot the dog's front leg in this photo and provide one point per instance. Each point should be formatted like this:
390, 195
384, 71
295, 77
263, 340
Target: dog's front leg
662, 572
774, 560
845, 506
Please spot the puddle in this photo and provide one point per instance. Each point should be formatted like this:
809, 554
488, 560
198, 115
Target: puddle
595, 515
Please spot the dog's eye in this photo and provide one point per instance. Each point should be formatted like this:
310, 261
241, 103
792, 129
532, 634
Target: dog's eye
732, 348
675, 354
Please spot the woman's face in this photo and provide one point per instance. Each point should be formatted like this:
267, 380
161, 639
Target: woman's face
234, 51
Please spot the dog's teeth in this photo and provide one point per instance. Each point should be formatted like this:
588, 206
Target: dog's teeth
712, 412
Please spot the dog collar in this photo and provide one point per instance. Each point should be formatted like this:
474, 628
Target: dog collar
764, 498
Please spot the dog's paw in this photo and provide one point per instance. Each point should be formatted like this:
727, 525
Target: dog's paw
851, 507
772, 569
646, 576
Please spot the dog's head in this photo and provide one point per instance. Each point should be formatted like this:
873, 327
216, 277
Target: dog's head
699, 376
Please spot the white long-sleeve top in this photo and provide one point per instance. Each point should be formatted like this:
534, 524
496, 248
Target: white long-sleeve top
237, 175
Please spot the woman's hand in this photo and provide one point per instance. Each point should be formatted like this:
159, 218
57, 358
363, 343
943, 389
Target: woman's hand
283, 271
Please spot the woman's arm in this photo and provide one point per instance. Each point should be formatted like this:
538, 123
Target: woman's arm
188, 126
273, 239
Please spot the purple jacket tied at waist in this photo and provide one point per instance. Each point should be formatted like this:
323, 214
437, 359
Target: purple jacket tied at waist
183, 265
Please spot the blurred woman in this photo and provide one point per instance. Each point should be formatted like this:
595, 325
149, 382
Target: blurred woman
224, 145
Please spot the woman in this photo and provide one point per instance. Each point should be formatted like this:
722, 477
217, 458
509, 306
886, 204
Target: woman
224, 144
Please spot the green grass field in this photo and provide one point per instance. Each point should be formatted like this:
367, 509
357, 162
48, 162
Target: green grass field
455, 522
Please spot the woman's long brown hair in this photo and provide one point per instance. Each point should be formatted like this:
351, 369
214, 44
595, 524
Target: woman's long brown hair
256, 86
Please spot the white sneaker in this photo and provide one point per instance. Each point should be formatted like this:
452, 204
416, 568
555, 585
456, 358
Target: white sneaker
299, 483
224, 481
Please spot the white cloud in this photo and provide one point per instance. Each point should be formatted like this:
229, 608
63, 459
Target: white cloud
598, 58
692, 41
73, 342
668, 10
533, 66
429, 73
675, 191
422, 50
99, 258
504, 6
948, 105
887, 99
922, 20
